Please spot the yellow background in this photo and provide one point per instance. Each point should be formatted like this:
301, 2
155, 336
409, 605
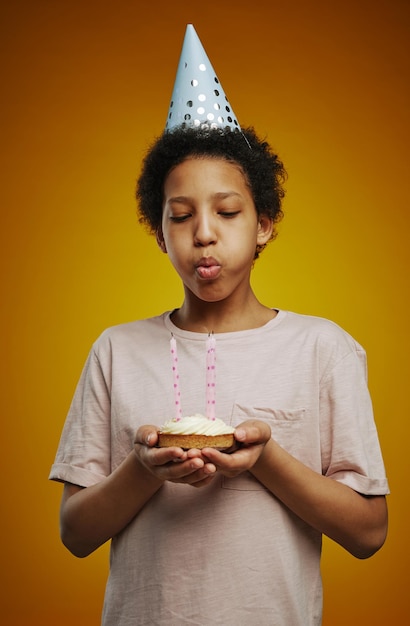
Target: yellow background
85, 87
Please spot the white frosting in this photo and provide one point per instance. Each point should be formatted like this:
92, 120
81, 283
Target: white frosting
196, 425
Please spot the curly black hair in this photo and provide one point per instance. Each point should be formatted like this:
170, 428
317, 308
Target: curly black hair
263, 171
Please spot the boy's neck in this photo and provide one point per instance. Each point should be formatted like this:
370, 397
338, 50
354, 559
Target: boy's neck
221, 317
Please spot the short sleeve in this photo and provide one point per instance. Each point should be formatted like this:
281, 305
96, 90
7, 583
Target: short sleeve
349, 441
83, 455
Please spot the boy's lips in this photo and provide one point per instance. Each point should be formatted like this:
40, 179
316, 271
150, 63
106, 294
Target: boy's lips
208, 268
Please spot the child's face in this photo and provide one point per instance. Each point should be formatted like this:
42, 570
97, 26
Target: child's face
210, 227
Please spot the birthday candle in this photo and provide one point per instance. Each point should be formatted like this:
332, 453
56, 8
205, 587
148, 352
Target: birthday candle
210, 376
177, 391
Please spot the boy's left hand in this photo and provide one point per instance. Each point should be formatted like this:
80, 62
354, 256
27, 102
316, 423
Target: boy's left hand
251, 437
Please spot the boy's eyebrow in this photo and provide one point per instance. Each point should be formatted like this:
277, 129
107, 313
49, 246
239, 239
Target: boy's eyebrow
226, 194
179, 199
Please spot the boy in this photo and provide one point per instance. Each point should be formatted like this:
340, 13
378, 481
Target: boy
204, 537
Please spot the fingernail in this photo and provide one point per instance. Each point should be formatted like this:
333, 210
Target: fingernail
240, 434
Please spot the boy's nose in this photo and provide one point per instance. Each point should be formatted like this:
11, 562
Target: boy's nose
205, 233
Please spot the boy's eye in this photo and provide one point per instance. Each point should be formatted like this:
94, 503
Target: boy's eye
229, 214
179, 218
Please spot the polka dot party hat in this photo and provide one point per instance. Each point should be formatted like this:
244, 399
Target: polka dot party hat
198, 98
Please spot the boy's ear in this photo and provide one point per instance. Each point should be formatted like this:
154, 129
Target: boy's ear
160, 240
265, 229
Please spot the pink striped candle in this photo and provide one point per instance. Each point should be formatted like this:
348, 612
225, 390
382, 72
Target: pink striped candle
210, 376
177, 391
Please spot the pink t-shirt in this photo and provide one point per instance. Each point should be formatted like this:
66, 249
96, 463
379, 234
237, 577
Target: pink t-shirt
229, 554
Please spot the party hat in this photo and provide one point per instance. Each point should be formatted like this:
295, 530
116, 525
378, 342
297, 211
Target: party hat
198, 98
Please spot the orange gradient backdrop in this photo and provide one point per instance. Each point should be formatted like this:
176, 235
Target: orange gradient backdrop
85, 88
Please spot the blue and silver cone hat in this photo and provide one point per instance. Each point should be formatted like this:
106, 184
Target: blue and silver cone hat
198, 99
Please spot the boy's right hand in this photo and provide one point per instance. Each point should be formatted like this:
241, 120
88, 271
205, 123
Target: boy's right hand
173, 464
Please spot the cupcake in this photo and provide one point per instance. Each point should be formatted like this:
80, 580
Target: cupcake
196, 431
